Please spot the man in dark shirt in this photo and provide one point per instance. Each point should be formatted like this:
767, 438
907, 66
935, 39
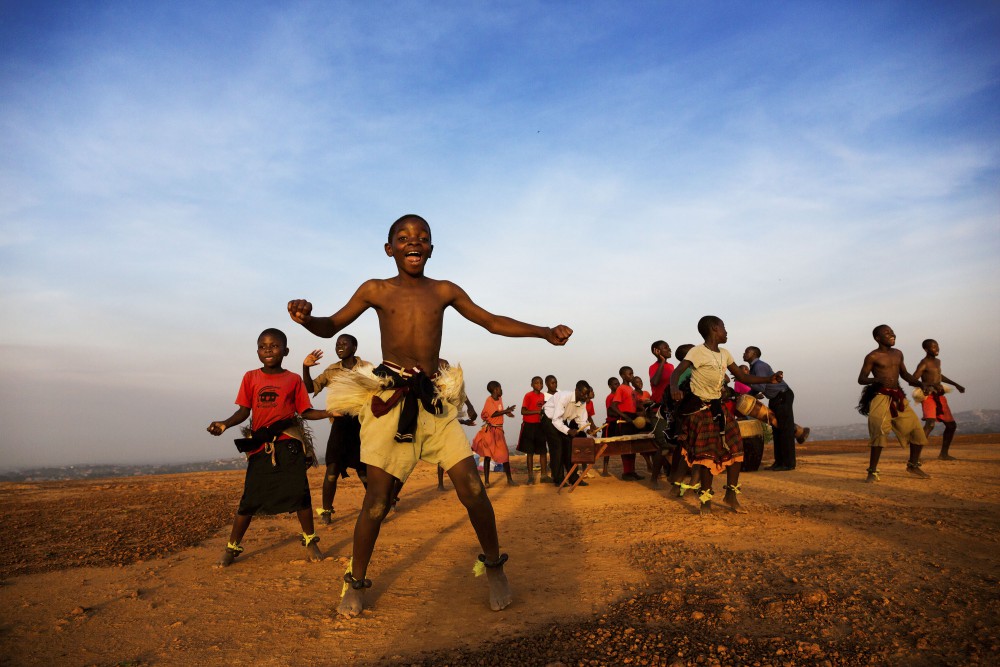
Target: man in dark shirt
779, 399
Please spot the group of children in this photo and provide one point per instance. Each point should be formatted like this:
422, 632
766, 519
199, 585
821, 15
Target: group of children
388, 417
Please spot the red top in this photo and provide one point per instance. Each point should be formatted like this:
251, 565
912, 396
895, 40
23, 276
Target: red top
590, 408
657, 390
607, 406
533, 401
272, 398
625, 398
492, 405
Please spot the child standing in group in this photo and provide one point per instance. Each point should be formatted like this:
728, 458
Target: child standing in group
276, 480
711, 434
343, 447
490, 442
532, 439
610, 421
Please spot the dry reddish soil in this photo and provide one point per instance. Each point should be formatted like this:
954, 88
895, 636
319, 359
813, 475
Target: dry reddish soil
823, 570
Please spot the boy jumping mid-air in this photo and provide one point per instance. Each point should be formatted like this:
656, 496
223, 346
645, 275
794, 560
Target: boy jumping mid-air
406, 417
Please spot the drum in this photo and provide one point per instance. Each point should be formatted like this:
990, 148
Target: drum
752, 433
753, 452
748, 406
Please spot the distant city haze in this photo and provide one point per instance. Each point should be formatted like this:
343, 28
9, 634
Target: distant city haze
170, 179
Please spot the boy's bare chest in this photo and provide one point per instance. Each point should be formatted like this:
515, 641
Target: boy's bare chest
415, 304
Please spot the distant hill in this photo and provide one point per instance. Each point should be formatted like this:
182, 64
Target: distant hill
112, 470
970, 421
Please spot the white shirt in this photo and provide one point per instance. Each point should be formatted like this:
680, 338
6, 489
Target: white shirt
562, 408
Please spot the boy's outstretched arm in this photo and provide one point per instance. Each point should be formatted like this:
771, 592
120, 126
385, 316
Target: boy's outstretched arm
300, 311
913, 381
501, 325
954, 384
746, 378
313, 414
238, 417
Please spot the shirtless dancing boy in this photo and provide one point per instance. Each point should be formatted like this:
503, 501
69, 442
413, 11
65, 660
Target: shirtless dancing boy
885, 404
935, 405
405, 420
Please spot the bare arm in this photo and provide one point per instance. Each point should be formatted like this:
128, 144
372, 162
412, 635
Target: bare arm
956, 385
311, 360
300, 311
504, 326
865, 376
313, 414
914, 382
238, 417
658, 375
746, 378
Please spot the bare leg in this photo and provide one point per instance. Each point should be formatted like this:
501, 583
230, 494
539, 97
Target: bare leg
486, 471
510, 479
440, 478
543, 460
240, 525
654, 475
913, 465
531, 468
470, 491
929, 426
329, 492
649, 461
873, 464
949, 434
705, 496
373, 511
308, 529
604, 470
733, 488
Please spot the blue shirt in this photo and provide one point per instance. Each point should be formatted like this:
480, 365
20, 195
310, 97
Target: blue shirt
760, 368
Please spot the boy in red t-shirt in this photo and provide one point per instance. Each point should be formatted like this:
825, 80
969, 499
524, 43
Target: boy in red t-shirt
623, 407
276, 479
659, 372
531, 441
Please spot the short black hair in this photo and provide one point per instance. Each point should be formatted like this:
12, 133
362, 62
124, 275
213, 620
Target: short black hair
277, 333
879, 328
683, 350
706, 323
656, 344
537, 377
404, 218
623, 369
583, 384
550, 376
756, 350
613, 379
491, 385
927, 344
352, 339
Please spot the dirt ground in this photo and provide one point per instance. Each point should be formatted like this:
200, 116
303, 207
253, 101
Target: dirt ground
823, 570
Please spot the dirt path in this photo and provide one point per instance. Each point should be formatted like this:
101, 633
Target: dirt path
825, 568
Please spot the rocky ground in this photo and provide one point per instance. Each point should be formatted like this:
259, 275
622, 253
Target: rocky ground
824, 570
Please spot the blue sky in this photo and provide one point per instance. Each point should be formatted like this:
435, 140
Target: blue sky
172, 174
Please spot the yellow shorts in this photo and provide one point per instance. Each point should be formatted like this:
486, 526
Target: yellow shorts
906, 425
439, 439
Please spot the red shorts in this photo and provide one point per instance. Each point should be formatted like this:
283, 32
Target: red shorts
936, 407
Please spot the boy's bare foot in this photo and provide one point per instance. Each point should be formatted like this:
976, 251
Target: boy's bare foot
227, 559
531, 479
546, 478
326, 516
313, 553
872, 476
654, 483
731, 499
805, 435
914, 469
511, 482
500, 595
440, 487
705, 497
946, 457
486, 484
706, 508
352, 603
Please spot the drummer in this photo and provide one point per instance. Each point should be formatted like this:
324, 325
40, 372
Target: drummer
779, 399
